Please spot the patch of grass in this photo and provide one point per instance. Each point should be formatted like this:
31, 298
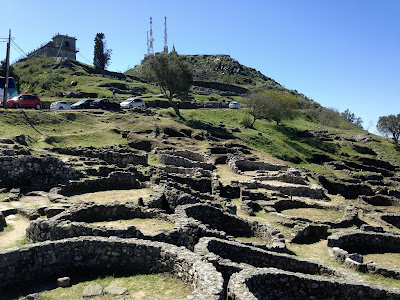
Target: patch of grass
146, 287
388, 260
227, 175
146, 226
314, 214
122, 196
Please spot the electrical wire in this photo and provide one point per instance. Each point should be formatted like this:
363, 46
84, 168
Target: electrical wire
18, 47
84, 58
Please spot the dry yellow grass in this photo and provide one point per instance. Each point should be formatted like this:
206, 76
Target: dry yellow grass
122, 196
314, 214
146, 226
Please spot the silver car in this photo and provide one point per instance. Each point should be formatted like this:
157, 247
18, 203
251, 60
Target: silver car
60, 105
133, 102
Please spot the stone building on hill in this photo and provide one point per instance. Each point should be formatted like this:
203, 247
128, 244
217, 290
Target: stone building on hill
60, 46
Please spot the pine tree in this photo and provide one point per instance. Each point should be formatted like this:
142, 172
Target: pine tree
102, 56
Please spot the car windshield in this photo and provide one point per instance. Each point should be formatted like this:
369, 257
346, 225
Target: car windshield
127, 101
15, 98
98, 100
81, 101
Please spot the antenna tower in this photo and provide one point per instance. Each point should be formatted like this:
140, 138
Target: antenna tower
151, 50
147, 44
165, 36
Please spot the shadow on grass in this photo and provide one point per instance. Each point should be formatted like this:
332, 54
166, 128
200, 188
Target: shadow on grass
30, 122
219, 132
311, 147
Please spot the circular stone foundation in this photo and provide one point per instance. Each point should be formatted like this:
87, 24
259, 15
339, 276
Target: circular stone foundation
55, 259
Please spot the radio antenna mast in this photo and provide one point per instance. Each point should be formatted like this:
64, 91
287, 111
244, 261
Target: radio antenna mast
165, 36
151, 50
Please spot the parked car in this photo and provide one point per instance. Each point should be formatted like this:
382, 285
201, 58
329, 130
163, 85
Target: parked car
234, 105
104, 104
24, 101
60, 105
133, 102
84, 103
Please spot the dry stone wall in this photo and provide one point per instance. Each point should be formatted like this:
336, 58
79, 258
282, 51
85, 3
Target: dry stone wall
109, 255
35, 171
271, 283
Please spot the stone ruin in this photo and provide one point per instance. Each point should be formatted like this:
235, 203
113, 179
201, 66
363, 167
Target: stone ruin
204, 248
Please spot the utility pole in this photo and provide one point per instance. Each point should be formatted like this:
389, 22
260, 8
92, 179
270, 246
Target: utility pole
5, 97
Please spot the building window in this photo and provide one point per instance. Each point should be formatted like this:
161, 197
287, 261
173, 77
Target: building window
66, 43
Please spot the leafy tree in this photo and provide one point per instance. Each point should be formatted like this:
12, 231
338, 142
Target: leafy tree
11, 72
350, 117
390, 125
272, 106
172, 76
102, 56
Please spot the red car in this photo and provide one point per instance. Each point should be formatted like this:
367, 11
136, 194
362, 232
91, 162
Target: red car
24, 101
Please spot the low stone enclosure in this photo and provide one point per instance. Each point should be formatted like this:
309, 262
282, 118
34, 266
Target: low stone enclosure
270, 283
54, 259
348, 248
211, 221
230, 257
185, 158
76, 221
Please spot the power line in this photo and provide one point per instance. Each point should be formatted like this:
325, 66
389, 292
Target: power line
18, 48
84, 57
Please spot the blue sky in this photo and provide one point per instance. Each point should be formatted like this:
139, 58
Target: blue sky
342, 54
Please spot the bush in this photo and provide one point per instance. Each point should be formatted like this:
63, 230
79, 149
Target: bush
247, 121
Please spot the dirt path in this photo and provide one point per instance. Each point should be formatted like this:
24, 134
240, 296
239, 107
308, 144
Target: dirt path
10, 238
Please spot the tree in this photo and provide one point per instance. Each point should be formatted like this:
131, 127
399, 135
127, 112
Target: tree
272, 106
102, 56
350, 117
390, 125
11, 72
172, 76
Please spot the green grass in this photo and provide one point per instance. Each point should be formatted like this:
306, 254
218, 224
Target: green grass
145, 287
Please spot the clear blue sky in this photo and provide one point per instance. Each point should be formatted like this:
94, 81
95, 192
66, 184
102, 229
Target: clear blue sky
341, 53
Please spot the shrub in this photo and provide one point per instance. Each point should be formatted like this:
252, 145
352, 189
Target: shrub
247, 121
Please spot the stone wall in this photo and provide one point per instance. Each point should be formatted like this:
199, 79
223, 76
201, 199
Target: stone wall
311, 191
242, 256
35, 171
76, 221
239, 164
276, 284
118, 155
365, 242
348, 247
185, 158
214, 220
109, 255
117, 180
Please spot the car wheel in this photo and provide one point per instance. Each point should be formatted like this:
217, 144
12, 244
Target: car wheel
61, 107
15, 105
103, 107
37, 106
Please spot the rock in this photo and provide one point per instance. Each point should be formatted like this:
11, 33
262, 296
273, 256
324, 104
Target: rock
63, 282
74, 83
35, 296
92, 290
37, 194
115, 290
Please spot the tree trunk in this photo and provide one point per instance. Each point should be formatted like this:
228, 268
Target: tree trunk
176, 109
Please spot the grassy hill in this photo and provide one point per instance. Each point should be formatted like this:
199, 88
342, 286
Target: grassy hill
53, 78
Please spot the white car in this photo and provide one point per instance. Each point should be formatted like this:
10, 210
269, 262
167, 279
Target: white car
60, 105
234, 105
133, 102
